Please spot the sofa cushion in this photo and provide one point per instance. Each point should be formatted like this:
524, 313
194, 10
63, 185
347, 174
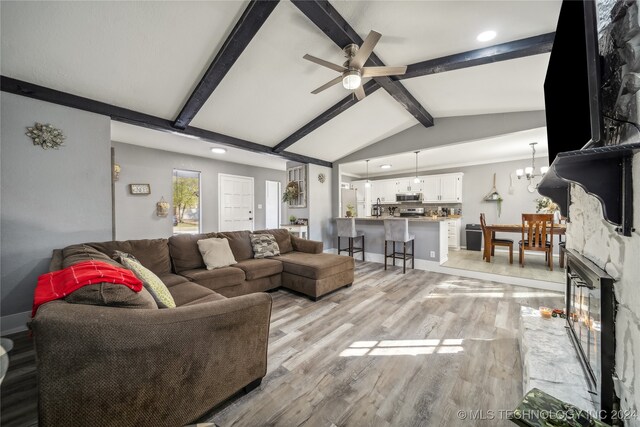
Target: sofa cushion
283, 237
112, 295
184, 251
315, 266
240, 244
216, 252
74, 254
151, 282
258, 268
264, 245
152, 253
186, 292
172, 279
214, 296
216, 279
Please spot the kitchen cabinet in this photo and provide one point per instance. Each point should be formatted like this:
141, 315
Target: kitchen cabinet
385, 189
446, 188
453, 226
406, 185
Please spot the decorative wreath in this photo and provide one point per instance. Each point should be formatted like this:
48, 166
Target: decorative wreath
46, 136
291, 192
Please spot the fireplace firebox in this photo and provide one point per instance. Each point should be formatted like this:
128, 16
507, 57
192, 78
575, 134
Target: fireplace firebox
591, 310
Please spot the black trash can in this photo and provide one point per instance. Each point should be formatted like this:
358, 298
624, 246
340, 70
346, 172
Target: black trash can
474, 237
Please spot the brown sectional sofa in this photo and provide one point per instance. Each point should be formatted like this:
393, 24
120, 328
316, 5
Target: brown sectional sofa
111, 366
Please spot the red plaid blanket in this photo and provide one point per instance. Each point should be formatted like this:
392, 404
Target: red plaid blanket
59, 284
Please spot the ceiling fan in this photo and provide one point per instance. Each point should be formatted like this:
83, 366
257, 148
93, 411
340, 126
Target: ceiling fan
353, 70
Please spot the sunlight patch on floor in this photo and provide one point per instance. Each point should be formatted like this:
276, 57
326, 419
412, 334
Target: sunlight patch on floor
403, 347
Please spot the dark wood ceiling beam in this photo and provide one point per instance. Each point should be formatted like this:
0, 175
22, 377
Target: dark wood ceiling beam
327, 18
501, 52
124, 115
245, 29
333, 111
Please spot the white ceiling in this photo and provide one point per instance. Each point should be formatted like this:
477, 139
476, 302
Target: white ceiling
491, 150
144, 137
148, 56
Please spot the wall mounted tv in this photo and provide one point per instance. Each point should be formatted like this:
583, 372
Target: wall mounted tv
572, 84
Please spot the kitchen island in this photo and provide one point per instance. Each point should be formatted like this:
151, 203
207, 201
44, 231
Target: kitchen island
431, 239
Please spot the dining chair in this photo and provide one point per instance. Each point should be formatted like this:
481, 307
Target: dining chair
536, 228
495, 242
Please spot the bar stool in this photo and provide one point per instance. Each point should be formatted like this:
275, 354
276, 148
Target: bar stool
347, 228
397, 230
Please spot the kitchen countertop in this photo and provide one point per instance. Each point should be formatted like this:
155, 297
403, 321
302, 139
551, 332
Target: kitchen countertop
411, 219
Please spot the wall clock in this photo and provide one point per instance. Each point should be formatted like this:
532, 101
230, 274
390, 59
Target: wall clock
321, 177
138, 189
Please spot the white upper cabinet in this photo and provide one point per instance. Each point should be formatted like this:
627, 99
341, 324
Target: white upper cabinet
407, 185
384, 189
446, 188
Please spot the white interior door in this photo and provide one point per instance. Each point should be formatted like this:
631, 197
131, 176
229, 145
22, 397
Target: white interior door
235, 202
272, 204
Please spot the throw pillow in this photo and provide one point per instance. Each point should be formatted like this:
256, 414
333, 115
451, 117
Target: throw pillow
152, 283
216, 253
264, 245
110, 295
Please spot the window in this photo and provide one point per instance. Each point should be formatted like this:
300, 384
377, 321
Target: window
186, 201
298, 175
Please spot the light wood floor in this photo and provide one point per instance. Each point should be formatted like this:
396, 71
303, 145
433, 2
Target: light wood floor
392, 350
535, 266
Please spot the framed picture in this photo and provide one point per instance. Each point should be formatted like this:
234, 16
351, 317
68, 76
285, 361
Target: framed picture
140, 189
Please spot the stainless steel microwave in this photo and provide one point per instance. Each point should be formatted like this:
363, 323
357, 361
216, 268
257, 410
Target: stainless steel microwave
409, 197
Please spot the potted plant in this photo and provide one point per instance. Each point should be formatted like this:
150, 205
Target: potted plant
291, 192
292, 219
351, 211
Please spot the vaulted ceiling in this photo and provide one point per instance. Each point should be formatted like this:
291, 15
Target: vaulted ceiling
150, 56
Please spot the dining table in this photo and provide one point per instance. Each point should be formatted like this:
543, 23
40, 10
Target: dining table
492, 229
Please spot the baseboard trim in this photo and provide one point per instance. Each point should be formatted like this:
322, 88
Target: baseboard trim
13, 323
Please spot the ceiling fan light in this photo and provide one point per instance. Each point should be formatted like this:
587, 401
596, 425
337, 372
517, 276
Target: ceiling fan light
351, 79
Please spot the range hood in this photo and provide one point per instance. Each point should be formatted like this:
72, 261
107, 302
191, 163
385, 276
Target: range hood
604, 172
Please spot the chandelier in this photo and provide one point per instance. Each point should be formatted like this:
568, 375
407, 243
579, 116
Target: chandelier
530, 172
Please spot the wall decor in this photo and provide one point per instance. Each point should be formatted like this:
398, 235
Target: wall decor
140, 189
46, 136
116, 171
321, 178
296, 177
162, 208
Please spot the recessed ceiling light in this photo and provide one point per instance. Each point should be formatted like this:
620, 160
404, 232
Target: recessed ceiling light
385, 166
485, 36
218, 150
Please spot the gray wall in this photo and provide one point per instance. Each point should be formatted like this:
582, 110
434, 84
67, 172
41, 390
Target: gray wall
135, 215
321, 224
50, 198
450, 130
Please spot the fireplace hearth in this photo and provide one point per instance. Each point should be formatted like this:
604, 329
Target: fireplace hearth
591, 311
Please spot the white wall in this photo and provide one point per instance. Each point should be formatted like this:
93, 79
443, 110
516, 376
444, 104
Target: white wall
50, 198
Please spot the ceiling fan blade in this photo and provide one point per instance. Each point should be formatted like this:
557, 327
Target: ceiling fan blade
365, 50
383, 71
327, 85
360, 93
324, 63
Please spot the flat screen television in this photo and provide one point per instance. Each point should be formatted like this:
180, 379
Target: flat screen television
572, 85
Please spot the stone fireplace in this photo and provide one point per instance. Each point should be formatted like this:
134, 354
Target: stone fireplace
588, 233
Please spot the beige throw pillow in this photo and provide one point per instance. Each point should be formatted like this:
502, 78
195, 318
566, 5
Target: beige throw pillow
216, 253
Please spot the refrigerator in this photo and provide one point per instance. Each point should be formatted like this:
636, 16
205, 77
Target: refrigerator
348, 197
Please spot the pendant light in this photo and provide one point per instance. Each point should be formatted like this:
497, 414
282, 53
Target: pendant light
416, 180
367, 183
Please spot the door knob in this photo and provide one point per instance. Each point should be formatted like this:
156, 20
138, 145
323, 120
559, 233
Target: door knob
250, 219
